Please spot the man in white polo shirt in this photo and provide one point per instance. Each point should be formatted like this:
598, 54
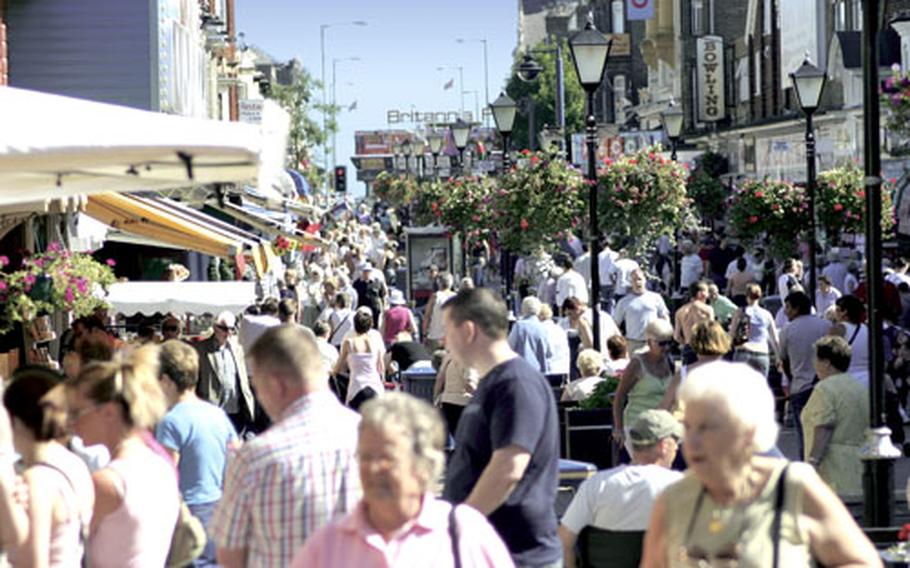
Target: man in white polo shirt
621, 498
639, 308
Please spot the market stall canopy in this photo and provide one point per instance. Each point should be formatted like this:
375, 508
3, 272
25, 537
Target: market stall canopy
51, 146
148, 218
181, 298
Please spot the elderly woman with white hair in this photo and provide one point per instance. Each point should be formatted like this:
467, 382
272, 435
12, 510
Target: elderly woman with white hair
645, 382
737, 507
399, 522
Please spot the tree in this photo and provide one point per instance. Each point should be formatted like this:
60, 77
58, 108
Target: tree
305, 132
542, 91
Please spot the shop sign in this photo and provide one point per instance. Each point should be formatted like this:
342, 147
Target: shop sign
640, 9
710, 62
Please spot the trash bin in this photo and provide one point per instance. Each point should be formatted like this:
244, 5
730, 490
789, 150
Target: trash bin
419, 381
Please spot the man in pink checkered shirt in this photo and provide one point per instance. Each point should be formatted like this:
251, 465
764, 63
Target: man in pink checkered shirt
299, 474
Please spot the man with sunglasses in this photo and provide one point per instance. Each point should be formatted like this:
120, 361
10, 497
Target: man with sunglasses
170, 328
223, 379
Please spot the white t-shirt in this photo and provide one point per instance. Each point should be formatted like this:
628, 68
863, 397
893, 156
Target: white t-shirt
618, 499
622, 269
690, 270
560, 361
571, 285
638, 310
606, 259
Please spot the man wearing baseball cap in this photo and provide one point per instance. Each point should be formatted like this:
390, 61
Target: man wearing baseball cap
621, 498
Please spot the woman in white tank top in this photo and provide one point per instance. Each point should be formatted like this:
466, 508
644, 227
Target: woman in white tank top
361, 359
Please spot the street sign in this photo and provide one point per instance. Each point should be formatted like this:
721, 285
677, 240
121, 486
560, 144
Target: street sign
251, 110
640, 9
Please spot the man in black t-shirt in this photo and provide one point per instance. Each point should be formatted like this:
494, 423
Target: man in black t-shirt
506, 460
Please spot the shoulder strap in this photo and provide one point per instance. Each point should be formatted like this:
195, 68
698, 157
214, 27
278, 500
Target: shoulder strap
855, 333
337, 327
83, 523
453, 536
778, 512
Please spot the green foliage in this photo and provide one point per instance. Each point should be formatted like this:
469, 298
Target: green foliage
840, 203
537, 202
642, 197
464, 206
602, 396
708, 194
543, 92
55, 280
305, 132
770, 210
395, 189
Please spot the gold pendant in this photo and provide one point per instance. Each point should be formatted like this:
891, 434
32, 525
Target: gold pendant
715, 525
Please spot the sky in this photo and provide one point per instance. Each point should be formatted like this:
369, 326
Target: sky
400, 49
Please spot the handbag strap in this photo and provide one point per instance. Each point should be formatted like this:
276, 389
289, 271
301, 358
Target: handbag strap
855, 333
453, 536
778, 513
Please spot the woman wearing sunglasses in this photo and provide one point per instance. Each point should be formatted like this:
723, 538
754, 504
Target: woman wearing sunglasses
739, 508
644, 384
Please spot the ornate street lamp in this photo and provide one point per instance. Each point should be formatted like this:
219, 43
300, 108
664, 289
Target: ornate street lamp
809, 82
504, 109
673, 119
529, 68
461, 130
590, 52
435, 140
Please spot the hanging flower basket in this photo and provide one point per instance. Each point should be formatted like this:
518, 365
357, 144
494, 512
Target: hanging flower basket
395, 189
642, 197
840, 203
56, 280
537, 203
464, 205
769, 211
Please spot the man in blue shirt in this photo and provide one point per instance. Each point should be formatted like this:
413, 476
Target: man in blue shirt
196, 433
506, 459
529, 337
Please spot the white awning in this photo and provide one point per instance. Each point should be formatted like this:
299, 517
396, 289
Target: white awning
180, 298
52, 146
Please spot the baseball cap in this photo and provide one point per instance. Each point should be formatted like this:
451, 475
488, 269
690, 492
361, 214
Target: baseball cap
653, 426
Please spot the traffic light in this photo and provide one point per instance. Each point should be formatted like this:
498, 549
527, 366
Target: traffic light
341, 178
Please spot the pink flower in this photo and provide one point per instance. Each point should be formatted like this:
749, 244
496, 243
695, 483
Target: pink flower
3, 285
82, 285
759, 194
55, 246
29, 279
69, 296
838, 207
523, 224
4, 260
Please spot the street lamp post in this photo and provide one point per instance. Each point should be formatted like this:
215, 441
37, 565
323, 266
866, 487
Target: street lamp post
486, 73
809, 82
461, 130
335, 63
530, 69
325, 149
673, 120
503, 110
590, 52
878, 454
435, 140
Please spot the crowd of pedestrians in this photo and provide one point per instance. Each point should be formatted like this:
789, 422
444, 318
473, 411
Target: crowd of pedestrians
281, 429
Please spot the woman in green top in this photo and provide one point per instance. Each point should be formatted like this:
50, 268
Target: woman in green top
736, 507
644, 383
835, 418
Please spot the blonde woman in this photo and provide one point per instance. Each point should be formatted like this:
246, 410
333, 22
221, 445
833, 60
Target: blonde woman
136, 495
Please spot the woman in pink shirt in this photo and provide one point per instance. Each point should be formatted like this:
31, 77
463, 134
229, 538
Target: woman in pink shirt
136, 494
399, 522
397, 318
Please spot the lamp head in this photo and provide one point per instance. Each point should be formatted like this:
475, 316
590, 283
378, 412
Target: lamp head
590, 50
504, 109
808, 82
529, 69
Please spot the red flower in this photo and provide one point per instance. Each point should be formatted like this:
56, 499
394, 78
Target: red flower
861, 193
534, 160
759, 194
523, 224
838, 207
904, 533
753, 219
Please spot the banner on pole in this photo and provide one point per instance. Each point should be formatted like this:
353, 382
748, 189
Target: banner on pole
709, 57
640, 9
